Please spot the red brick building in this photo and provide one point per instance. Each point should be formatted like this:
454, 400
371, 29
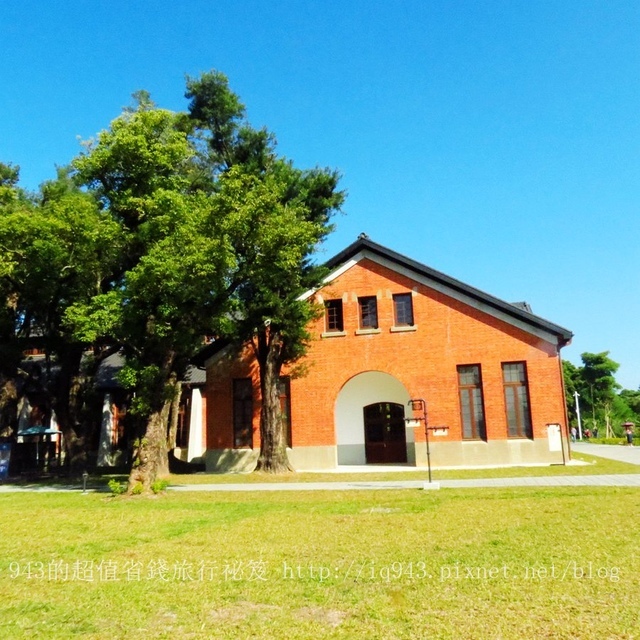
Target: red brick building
396, 330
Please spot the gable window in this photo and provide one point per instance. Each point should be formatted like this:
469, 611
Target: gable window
516, 397
284, 393
368, 312
402, 310
242, 413
471, 402
333, 316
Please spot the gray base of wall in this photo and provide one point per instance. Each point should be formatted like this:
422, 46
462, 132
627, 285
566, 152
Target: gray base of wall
311, 458
443, 454
487, 454
244, 460
230, 460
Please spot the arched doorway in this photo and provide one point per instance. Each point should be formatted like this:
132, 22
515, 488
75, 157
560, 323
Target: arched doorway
369, 388
384, 433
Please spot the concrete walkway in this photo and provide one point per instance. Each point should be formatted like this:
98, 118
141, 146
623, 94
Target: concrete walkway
613, 452
621, 453
628, 480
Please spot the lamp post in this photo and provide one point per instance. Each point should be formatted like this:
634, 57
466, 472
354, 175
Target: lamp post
419, 405
577, 395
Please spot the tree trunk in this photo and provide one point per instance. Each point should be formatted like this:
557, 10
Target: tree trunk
150, 459
273, 445
66, 401
8, 406
607, 420
173, 417
150, 454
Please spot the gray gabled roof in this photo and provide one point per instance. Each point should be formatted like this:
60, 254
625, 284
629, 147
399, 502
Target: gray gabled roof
518, 314
106, 377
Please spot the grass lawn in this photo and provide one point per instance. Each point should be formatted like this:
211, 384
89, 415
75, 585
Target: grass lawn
593, 465
478, 563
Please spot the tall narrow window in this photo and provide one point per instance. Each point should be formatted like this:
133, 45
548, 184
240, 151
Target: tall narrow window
368, 312
471, 403
242, 413
516, 398
333, 316
402, 310
184, 413
284, 391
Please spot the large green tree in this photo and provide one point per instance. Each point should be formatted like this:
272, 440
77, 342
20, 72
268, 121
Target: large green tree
58, 249
287, 213
604, 405
269, 310
599, 387
216, 227
170, 284
13, 202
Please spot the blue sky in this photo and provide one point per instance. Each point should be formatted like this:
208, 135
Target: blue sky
496, 141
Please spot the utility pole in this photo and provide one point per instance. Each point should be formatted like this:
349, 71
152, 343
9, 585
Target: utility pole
577, 395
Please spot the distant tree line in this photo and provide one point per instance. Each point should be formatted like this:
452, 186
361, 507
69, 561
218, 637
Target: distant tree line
604, 405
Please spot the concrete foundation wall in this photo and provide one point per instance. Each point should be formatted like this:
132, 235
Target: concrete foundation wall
443, 455
244, 460
231, 460
483, 454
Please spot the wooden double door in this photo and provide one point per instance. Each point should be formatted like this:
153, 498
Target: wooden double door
384, 433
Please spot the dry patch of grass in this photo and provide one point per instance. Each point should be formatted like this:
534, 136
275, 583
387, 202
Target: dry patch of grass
508, 563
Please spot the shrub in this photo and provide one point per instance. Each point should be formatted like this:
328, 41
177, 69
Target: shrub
137, 489
607, 440
159, 486
117, 488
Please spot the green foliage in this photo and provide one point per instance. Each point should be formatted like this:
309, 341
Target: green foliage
117, 488
217, 119
142, 153
138, 489
613, 440
188, 220
57, 255
159, 486
598, 378
96, 318
10, 192
632, 401
602, 403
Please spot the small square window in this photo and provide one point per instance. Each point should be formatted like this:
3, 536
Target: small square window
333, 316
368, 312
402, 310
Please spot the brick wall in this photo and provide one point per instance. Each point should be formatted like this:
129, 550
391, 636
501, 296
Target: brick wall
448, 333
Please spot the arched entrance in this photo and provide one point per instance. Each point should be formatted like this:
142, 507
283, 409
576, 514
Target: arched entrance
366, 391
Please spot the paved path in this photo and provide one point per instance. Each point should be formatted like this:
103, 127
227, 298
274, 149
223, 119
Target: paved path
629, 480
611, 451
621, 453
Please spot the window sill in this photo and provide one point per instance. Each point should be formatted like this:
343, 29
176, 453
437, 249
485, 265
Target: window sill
367, 332
333, 334
410, 327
